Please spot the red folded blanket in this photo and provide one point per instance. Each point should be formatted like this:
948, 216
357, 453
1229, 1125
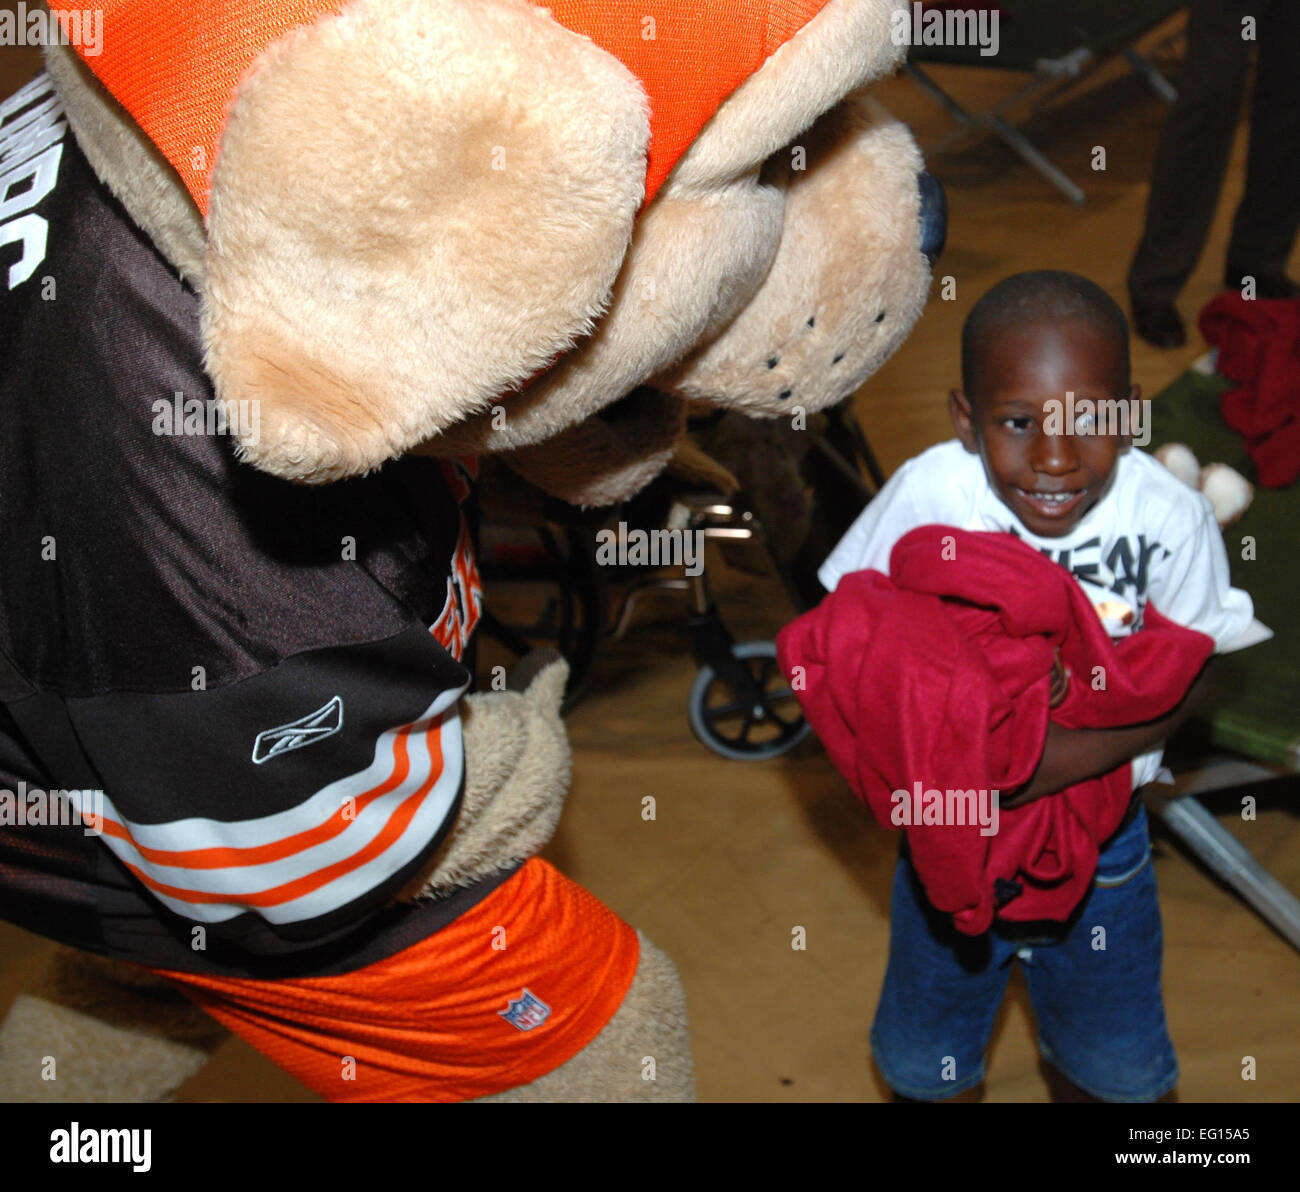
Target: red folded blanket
931, 685
1259, 349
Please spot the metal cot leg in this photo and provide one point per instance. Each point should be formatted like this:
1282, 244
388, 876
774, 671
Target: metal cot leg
1233, 864
1007, 132
1025, 147
1148, 74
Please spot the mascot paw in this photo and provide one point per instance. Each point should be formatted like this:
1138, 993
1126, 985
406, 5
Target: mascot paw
101, 1031
517, 765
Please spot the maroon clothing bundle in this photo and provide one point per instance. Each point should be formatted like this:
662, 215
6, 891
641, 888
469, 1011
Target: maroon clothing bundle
1259, 349
939, 674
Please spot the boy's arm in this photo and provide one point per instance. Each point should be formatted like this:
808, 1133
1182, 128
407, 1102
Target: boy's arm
1192, 588
867, 543
1073, 755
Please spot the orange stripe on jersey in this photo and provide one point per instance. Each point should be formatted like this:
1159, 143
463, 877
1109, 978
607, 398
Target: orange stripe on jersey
435, 1022
261, 854
457, 481
471, 584
288, 891
464, 604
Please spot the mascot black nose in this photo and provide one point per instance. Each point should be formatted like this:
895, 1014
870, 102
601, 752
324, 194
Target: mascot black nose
934, 216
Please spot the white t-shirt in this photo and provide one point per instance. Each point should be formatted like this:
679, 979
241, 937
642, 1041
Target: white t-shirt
1150, 538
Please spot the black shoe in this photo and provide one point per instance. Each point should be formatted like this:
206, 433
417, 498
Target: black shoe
1276, 285
1159, 323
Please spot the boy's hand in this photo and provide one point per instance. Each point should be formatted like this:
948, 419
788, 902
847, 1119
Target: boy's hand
1060, 681
1073, 755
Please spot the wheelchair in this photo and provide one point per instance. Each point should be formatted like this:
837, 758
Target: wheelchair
545, 583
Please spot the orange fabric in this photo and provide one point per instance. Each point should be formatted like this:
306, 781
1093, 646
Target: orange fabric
175, 67
698, 55
426, 1024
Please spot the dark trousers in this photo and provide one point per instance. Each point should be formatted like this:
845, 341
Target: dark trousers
1197, 138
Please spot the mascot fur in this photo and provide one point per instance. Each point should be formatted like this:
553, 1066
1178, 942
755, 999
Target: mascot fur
459, 228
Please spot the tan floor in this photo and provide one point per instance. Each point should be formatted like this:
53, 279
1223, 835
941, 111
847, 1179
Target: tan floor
741, 854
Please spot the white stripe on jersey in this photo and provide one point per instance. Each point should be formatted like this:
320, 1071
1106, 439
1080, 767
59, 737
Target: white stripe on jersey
441, 719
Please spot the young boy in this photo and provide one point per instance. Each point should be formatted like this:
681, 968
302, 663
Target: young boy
1130, 533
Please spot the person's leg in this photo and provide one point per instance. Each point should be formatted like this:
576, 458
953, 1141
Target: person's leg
1062, 1091
1096, 992
940, 997
1192, 155
1268, 217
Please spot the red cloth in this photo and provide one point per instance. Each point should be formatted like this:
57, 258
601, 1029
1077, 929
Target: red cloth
1259, 349
940, 673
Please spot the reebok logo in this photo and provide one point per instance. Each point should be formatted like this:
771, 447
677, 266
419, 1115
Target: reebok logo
297, 734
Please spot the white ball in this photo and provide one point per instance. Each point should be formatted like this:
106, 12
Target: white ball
1179, 459
1229, 491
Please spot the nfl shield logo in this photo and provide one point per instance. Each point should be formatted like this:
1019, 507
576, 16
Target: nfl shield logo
526, 1011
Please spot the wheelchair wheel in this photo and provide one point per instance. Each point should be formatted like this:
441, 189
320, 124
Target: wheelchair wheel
737, 727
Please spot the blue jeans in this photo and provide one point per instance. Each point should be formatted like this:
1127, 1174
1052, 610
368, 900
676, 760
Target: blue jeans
1094, 983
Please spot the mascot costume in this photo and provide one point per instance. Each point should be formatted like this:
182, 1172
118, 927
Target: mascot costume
277, 274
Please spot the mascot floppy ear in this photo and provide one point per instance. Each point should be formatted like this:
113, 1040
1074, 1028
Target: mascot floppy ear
369, 301
410, 207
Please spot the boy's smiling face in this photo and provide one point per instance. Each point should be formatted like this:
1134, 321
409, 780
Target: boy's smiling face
1050, 481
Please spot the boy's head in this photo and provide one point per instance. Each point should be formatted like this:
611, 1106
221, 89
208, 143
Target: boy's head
1039, 351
